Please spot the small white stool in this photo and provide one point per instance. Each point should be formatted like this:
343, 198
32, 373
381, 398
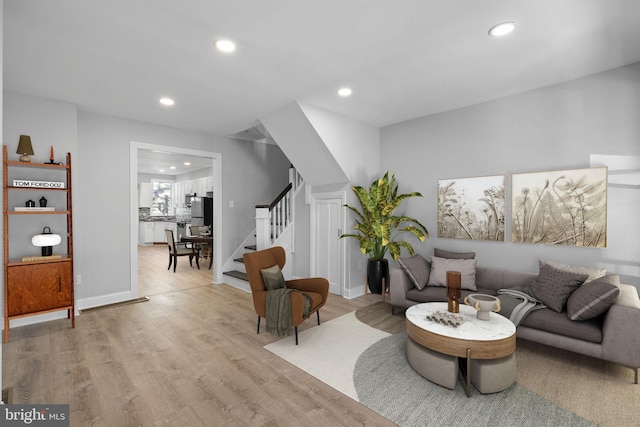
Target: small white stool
438, 368
493, 375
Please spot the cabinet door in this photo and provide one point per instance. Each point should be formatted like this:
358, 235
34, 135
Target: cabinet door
145, 196
38, 287
158, 232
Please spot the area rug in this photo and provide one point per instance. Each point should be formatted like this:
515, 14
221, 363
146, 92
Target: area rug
320, 350
370, 366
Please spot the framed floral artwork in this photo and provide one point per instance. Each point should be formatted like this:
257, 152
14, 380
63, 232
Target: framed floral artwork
472, 208
567, 207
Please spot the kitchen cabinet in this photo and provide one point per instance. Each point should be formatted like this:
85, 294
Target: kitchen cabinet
145, 233
145, 195
158, 232
36, 284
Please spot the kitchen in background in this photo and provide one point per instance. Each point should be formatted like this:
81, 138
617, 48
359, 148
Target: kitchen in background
169, 201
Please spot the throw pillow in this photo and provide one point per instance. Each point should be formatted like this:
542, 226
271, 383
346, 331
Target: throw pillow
273, 278
592, 299
553, 286
417, 269
442, 253
594, 273
466, 267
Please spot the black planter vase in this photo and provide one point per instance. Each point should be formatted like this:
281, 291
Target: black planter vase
377, 270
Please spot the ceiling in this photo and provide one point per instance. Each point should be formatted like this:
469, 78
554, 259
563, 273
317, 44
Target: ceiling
403, 59
162, 163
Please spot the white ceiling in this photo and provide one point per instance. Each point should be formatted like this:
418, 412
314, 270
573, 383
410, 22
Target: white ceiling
156, 162
403, 59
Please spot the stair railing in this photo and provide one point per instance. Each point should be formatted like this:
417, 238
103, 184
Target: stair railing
273, 219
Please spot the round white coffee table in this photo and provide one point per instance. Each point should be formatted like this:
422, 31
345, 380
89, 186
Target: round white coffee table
474, 339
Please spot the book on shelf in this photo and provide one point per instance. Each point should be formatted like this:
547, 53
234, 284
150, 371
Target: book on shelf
40, 257
26, 183
34, 209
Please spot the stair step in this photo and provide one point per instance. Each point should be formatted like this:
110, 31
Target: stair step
239, 260
251, 247
237, 274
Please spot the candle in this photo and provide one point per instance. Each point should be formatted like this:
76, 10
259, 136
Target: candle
51, 155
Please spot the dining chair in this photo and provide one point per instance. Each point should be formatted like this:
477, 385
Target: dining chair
180, 249
205, 248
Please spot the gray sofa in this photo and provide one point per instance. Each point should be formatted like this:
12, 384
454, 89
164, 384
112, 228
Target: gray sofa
613, 336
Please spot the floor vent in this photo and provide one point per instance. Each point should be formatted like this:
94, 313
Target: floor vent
117, 304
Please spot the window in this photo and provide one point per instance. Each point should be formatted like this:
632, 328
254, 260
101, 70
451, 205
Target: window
162, 203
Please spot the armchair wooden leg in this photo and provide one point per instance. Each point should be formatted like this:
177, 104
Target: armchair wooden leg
170, 259
175, 263
318, 313
296, 329
258, 332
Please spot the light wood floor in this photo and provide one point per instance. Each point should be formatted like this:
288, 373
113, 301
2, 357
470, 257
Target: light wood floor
190, 356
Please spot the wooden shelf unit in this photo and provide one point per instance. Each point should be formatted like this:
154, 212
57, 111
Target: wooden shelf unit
38, 286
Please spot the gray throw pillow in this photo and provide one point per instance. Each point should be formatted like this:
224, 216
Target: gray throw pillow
417, 269
466, 267
442, 253
553, 286
593, 298
273, 278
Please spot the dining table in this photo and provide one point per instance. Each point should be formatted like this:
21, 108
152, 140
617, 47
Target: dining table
200, 239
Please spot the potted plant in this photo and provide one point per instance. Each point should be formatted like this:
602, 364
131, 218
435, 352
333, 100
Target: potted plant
377, 228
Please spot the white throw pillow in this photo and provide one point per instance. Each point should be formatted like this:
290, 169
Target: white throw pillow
466, 267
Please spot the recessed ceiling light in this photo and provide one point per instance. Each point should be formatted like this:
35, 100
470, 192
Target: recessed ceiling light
226, 46
172, 167
167, 102
161, 170
502, 29
187, 163
344, 92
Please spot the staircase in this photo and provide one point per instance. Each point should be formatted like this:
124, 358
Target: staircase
274, 227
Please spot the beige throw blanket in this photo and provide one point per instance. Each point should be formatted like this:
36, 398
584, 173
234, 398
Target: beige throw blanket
279, 310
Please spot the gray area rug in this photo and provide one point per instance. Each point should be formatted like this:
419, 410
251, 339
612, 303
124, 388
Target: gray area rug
386, 384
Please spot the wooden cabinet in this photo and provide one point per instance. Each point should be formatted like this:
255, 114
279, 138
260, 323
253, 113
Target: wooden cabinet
36, 288
36, 284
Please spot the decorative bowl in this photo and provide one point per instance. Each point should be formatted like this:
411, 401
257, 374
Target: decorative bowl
484, 303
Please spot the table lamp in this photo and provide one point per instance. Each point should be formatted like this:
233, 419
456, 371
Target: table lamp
25, 148
46, 241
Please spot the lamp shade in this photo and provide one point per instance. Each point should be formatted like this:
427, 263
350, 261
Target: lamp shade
41, 240
25, 148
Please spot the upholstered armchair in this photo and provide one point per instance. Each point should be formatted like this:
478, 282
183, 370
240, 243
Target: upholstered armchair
316, 288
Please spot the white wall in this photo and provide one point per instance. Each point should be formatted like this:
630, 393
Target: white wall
252, 174
554, 128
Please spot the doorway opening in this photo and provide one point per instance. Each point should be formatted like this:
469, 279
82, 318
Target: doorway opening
215, 273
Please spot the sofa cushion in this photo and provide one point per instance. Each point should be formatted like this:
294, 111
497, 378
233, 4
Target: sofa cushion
553, 286
592, 299
417, 269
559, 323
594, 273
440, 266
273, 278
443, 253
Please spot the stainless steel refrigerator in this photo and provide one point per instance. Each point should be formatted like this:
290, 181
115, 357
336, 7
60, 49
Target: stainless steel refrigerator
202, 211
